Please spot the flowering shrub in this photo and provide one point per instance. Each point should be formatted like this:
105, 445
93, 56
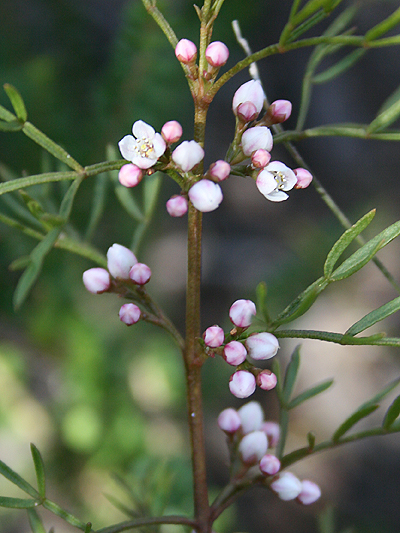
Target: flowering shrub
254, 341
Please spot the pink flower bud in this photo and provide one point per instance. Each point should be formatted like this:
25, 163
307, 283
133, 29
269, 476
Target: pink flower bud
310, 492
235, 353
96, 280
262, 345
217, 54
255, 138
242, 384
186, 51
119, 261
219, 170
130, 175
270, 465
287, 486
304, 178
252, 447
214, 336
251, 416
171, 132
260, 158
229, 420
177, 206
140, 273
129, 314
273, 432
279, 111
187, 155
250, 91
266, 380
205, 195
241, 313
247, 112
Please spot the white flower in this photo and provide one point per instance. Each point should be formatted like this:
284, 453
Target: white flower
144, 147
274, 180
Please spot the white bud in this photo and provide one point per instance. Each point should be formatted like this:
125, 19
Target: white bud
287, 486
242, 384
262, 345
119, 261
253, 446
229, 420
187, 155
96, 280
205, 195
252, 417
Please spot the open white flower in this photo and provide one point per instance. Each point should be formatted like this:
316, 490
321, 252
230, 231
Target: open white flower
144, 147
274, 180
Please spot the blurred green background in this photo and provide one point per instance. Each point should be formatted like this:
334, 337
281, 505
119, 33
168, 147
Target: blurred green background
99, 399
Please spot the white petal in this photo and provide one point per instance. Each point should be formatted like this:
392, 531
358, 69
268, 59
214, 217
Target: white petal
266, 182
142, 162
277, 196
160, 146
141, 130
127, 147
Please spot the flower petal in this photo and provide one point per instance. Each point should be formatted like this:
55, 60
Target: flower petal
141, 130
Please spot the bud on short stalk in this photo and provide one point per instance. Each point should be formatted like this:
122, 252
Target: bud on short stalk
251, 416
219, 170
234, 353
217, 54
187, 155
229, 420
129, 314
186, 51
214, 336
310, 492
252, 447
250, 91
241, 313
258, 137
119, 261
260, 158
270, 465
287, 486
96, 280
262, 346
171, 132
304, 178
247, 112
279, 111
242, 384
130, 175
273, 432
177, 206
266, 380
140, 274
205, 195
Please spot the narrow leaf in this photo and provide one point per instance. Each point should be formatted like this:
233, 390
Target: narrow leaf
12, 125
15, 478
276, 369
385, 118
37, 179
291, 374
39, 468
392, 413
345, 240
384, 392
16, 101
392, 99
261, 295
374, 316
311, 440
98, 204
361, 413
151, 190
65, 515
17, 503
6, 115
310, 393
67, 201
340, 67
35, 522
366, 253
128, 202
384, 26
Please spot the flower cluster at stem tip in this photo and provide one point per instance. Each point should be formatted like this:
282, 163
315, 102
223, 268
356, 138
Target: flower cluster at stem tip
235, 351
148, 151
251, 442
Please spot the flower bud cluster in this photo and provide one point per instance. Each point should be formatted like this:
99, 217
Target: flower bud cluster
123, 273
251, 442
257, 346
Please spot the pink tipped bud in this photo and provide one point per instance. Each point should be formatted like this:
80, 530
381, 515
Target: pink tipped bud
205, 195
273, 432
255, 138
266, 380
235, 353
262, 346
304, 178
247, 112
177, 206
250, 91
171, 132
129, 314
260, 158
140, 274
270, 465
130, 175
217, 54
251, 416
242, 384
287, 486
119, 261
252, 447
186, 51
310, 492
219, 170
214, 336
187, 155
229, 420
241, 313
96, 280
279, 111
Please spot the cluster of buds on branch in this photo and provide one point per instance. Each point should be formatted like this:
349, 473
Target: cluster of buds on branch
251, 442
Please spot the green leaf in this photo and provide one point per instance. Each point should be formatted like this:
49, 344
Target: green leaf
291, 375
98, 204
12, 125
88, 527
39, 468
340, 67
310, 393
65, 515
128, 202
37, 179
345, 240
374, 316
384, 26
311, 440
392, 413
35, 522
276, 369
385, 118
6, 115
361, 413
17, 503
151, 190
16, 101
365, 253
15, 478
384, 392
261, 296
